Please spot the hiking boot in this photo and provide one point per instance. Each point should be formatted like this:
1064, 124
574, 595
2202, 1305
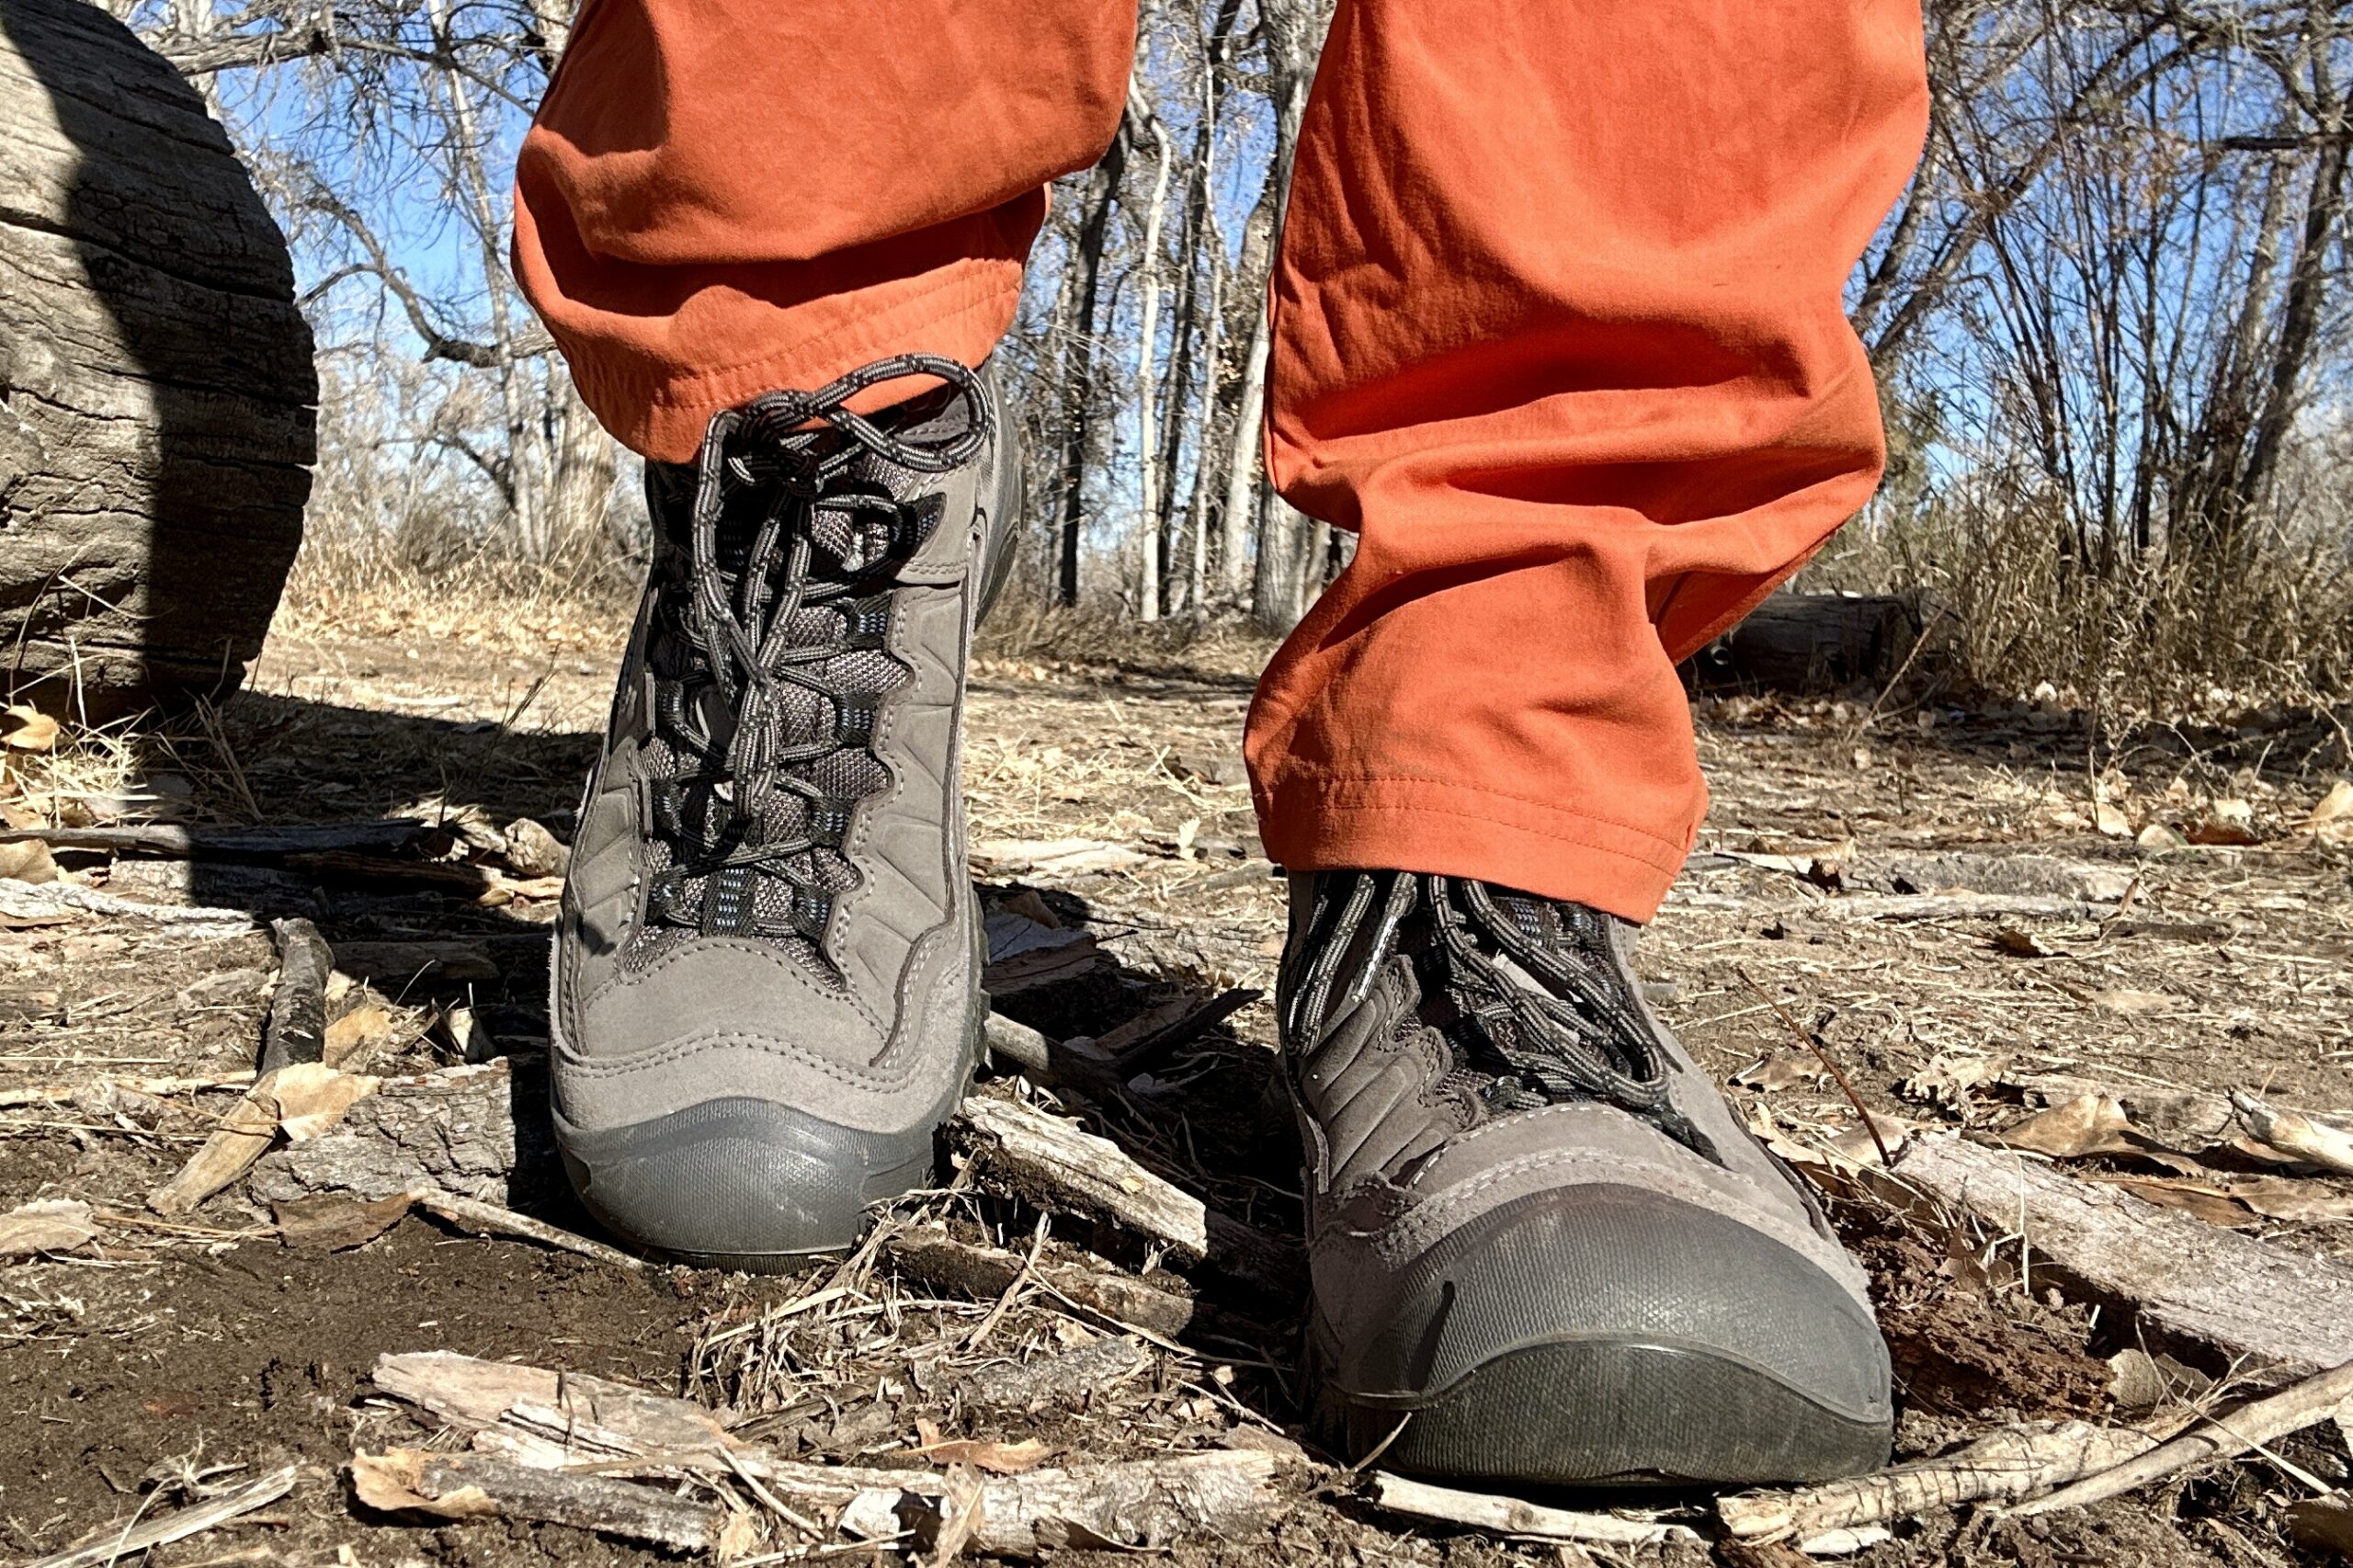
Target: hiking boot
1542, 1249
767, 995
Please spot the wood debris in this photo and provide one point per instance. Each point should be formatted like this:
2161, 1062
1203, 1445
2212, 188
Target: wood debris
2232, 1294
2248, 1427
480, 1486
491, 1218
297, 1027
2000, 1467
1073, 1377
1516, 1517
942, 1263
118, 1544
1059, 1166
2309, 1138
302, 1101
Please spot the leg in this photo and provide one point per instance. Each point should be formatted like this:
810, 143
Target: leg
778, 238
725, 197
1558, 330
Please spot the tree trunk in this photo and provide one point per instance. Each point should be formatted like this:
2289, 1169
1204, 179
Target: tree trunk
157, 396
1149, 477
1079, 364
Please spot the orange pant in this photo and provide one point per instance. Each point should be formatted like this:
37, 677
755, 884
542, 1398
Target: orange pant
1557, 330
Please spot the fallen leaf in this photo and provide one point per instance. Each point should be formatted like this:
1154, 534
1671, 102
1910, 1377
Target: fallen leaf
2210, 1204
2292, 1197
1949, 1075
2335, 806
313, 1097
27, 860
54, 1224
2111, 821
998, 1459
2088, 1124
2022, 944
1779, 1070
363, 1025
29, 729
2158, 837
2217, 831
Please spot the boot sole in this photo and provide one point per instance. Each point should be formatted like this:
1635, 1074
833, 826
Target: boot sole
1606, 1412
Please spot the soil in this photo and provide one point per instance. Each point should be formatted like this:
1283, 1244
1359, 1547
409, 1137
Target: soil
181, 1345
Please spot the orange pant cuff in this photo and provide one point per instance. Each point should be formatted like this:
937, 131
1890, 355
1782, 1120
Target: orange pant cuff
1322, 825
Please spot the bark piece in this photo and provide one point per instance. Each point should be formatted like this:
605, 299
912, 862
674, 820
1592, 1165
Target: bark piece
478, 1486
113, 1545
469, 1391
1133, 1505
2000, 1467
2230, 1294
296, 1029
154, 456
23, 902
1513, 1516
333, 1221
1058, 1166
455, 1130
1073, 1375
57, 1224
2248, 1426
303, 1101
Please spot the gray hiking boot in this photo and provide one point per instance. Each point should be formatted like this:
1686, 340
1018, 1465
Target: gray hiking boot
1539, 1238
766, 995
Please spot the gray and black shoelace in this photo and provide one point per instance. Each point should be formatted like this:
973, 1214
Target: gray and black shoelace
784, 582
1576, 1035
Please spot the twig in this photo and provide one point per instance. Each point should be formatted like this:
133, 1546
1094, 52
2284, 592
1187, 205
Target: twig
472, 1214
2001, 1466
1511, 1515
1806, 1037
2250, 1426
178, 1525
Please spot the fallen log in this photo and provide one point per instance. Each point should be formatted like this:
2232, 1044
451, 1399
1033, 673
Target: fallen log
2000, 1467
1957, 906
457, 1130
2181, 1281
479, 1486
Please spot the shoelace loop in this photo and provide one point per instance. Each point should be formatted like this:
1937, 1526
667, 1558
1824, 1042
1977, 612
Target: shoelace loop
819, 542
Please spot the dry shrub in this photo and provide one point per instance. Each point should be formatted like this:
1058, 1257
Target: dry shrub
2150, 633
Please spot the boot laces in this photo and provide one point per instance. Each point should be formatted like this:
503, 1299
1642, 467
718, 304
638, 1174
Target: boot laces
777, 614
1574, 1035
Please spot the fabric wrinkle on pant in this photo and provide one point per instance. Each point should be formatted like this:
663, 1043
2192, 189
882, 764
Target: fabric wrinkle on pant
1558, 331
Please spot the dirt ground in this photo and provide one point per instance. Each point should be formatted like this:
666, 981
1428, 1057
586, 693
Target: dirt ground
178, 1347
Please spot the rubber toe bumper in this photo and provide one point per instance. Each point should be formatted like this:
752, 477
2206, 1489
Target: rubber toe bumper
1613, 1334
740, 1183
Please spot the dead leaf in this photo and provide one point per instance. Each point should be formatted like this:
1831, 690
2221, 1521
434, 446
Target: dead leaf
2210, 1204
2022, 944
2088, 1124
1779, 1070
365, 1025
997, 1458
2158, 837
27, 860
2335, 806
2215, 831
54, 1224
29, 729
1949, 1075
313, 1097
333, 1221
2111, 821
2292, 1197
395, 1483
